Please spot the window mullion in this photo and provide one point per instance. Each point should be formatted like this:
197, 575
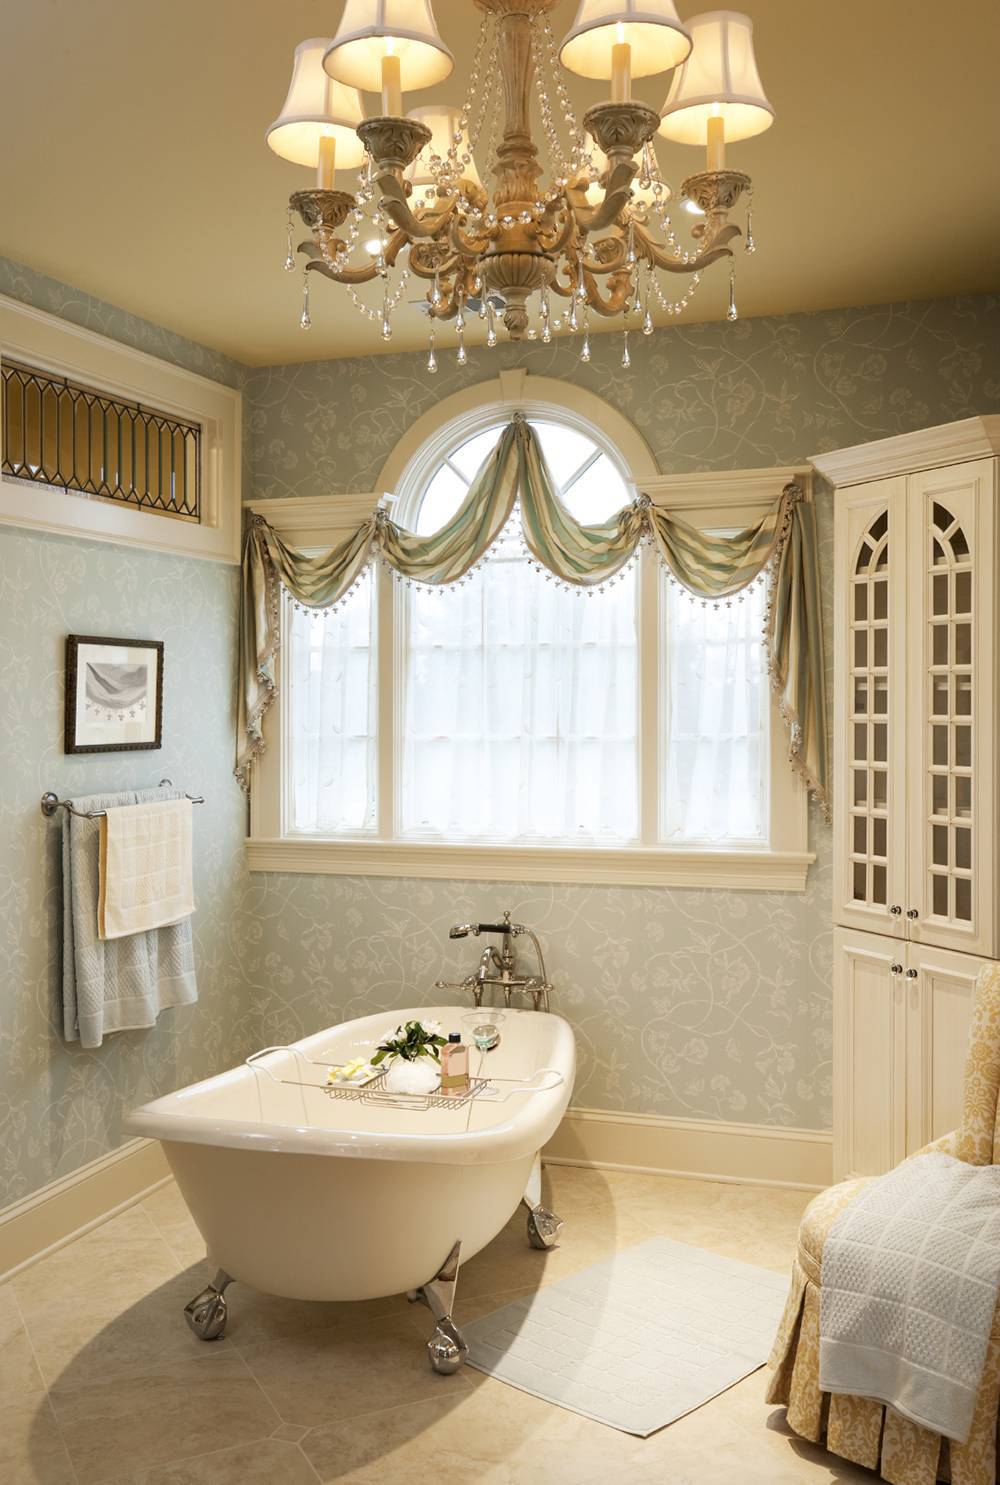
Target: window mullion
652, 664
389, 673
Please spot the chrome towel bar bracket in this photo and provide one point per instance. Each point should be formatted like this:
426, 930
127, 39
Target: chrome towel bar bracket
51, 802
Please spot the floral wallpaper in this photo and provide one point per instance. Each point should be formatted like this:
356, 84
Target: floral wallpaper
61, 1106
704, 1004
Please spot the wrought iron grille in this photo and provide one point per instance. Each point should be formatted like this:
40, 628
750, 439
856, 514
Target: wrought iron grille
58, 432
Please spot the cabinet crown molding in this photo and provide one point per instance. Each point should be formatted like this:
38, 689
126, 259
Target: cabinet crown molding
904, 453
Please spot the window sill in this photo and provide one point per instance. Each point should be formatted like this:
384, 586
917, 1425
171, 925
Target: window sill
762, 871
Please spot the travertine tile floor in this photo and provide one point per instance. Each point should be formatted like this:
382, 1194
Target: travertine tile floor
102, 1384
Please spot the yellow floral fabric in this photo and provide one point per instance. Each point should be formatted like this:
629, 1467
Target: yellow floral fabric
859, 1429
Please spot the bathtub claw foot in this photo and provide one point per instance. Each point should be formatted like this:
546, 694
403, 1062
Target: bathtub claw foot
207, 1313
543, 1228
447, 1347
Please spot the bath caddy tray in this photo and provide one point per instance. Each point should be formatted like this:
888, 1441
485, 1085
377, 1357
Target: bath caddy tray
374, 1092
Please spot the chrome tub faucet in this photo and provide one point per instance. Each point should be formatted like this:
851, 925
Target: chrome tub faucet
504, 962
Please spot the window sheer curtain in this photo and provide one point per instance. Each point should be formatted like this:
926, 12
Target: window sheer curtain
716, 736
332, 700
520, 710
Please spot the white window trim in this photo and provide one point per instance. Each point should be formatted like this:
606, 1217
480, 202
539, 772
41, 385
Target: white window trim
67, 350
731, 498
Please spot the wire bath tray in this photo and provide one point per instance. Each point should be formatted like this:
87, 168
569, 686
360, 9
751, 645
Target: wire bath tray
375, 1093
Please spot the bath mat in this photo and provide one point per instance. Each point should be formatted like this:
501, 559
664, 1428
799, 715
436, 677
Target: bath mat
639, 1340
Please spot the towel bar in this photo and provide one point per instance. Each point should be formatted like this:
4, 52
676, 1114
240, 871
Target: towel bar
51, 802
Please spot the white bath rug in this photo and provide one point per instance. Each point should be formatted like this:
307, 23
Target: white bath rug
639, 1340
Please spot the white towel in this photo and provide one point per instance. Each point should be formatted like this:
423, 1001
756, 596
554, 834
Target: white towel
145, 867
122, 984
910, 1275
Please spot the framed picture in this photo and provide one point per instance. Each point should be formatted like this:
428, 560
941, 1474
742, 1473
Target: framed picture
114, 694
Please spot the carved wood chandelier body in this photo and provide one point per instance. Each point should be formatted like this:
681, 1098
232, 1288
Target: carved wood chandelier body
597, 235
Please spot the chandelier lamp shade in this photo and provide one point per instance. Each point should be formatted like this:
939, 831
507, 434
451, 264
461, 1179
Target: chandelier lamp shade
716, 96
577, 221
637, 38
445, 124
318, 124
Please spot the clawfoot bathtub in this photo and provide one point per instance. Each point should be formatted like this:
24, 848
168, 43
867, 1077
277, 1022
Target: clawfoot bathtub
312, 1197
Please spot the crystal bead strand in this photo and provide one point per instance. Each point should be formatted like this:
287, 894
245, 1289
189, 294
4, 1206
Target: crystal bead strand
543, 309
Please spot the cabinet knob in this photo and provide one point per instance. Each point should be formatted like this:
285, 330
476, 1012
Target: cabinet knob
895, 910
912, 913
896, 969
911, 974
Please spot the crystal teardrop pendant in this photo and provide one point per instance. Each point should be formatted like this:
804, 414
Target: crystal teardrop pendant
585, 348
289, 263
305, 318
626, 358
647, 322
432, 364
732, 313
750, 246
491, 327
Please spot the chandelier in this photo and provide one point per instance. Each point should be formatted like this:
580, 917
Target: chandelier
595, 238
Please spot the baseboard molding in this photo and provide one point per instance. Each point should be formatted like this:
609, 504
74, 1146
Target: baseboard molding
750, 1154
699, 1149
72, 1205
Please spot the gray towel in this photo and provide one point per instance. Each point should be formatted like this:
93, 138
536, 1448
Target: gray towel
910, 1275
119, 984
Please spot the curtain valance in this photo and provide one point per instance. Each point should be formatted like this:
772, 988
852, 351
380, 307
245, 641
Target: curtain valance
782, 544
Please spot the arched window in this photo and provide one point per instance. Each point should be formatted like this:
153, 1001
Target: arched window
518, 711
506, 729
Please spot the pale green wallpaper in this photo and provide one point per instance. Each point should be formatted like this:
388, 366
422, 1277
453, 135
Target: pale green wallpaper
60, 1106
706, 1004
712, 1005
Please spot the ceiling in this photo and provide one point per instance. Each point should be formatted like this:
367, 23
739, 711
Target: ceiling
134, 165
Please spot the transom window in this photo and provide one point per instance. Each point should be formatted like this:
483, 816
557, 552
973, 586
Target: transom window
508, 710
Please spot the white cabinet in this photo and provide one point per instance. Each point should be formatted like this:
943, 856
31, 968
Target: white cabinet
901, 1023
915, 789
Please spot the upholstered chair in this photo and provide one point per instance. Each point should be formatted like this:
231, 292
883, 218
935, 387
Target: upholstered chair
858, 1429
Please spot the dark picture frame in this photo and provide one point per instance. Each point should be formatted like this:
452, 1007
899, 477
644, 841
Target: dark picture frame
114, 694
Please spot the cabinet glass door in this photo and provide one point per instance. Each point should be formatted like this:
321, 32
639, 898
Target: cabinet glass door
951, 703
868, 823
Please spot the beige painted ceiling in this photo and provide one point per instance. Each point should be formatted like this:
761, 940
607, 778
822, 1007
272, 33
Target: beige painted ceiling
133, 162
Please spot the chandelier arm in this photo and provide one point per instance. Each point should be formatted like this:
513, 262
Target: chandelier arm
396, 207
619, 286
364, 275
555, 243
439, 268
654, 253
464, 245
617, 194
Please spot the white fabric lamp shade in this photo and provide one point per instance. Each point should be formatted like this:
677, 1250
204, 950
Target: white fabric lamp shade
317, 107
718, 80
641, 195
442, 120
652, 28
371, 29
